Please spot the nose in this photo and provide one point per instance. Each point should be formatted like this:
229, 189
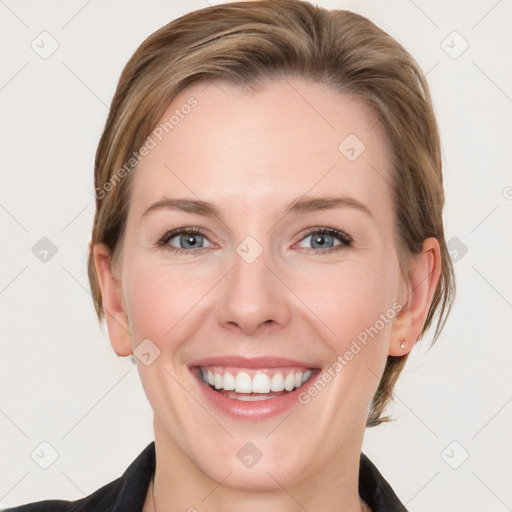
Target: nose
254, 298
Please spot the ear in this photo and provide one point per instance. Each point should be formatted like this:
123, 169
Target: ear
113, 302
416, 296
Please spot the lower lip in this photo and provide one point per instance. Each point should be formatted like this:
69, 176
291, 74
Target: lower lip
256, 410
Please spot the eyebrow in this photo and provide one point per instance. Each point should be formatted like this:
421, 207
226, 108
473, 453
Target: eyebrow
303, 204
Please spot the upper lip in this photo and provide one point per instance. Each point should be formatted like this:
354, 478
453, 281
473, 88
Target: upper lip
250, 362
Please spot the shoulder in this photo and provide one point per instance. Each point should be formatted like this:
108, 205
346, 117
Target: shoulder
125, 494
375, 490
103, 499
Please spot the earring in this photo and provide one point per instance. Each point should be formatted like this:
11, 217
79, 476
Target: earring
402, 344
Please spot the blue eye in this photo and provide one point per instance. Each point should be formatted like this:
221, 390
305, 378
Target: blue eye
323, 240
191, 241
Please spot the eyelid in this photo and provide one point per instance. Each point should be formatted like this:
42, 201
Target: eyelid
342, 235
168, 235
344, 238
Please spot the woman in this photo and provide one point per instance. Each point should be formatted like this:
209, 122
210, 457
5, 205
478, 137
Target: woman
268, 243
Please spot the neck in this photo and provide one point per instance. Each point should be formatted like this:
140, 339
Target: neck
180, 485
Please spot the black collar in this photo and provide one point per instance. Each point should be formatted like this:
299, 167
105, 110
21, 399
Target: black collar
375, 490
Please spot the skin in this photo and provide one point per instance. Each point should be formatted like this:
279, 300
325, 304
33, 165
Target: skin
251, 154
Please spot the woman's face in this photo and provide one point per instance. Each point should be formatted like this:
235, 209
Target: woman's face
261, 279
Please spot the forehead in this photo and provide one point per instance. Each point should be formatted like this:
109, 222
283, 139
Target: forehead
290, 138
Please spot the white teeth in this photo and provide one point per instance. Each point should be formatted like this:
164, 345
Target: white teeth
228, 382
277, 382
243, 383
289, 382
306, 376
261, 383
249, 398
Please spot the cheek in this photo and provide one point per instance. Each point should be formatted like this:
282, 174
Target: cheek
356, 304
160, 299
352, 297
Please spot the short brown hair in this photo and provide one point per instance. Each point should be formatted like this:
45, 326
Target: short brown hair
248, 44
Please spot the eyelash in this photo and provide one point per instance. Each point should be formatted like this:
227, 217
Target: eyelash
345, 239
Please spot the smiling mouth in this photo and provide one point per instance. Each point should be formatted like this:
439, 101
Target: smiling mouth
249, 384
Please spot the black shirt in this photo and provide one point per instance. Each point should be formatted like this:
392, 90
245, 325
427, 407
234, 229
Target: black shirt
128, 492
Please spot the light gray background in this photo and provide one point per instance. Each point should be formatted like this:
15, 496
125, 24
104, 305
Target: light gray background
60, 380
